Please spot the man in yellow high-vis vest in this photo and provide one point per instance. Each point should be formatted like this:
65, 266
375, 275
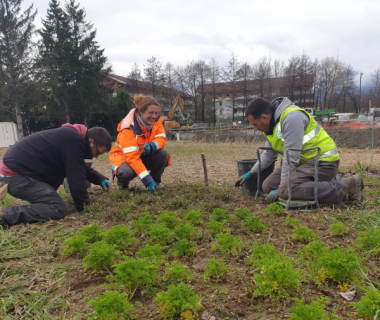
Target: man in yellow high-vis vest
287, 126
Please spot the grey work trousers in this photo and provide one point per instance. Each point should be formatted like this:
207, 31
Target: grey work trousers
155, 162
302, 183
45, 202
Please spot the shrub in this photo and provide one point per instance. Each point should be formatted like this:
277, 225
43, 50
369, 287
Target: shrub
100, 256
143, 225
160, 233
242, 213
177, 300
228, 244
112, 305
119, 236
154, 252
133, 274
369, 305
338, 229
194, 217
292, 222
219, 215
216, 227
304, 234
169, 219
252, 225
274, 209
313, 312
185, 248
92, 233
177, 272
370, 240
185, 231
76, 245
216, 270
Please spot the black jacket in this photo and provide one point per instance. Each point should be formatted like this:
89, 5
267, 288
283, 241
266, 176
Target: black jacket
51, 155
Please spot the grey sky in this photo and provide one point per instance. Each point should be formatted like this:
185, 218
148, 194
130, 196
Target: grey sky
180, 31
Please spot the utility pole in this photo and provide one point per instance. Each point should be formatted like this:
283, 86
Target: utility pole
360, 91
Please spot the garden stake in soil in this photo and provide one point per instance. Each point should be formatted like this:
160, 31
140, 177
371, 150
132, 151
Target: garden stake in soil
204, 168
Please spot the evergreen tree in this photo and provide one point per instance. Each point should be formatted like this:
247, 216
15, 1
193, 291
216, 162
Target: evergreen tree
16, 30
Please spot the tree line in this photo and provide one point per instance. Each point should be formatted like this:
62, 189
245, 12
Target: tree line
55, 74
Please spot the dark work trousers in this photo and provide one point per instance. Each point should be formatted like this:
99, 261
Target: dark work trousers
155, 163
302, 183
45, 202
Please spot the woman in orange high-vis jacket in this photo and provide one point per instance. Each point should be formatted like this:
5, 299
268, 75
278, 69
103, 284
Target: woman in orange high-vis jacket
140, 145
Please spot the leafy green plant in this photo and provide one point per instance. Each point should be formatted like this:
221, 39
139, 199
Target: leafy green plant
150, 251
360, 167
75, 245
369, 305
119, 236
338, 229
274, 209
315, 311
112, 305
216, 227
184, 248
303, 234
292, 221
92, 233
100, 256
312, 251
194, 217
242, 213
177, 300
143, 224
228, 244
176, 273
133, 274
370, 240
219, 215
252, 225
185, 231
169, 219
161, 233
216, 270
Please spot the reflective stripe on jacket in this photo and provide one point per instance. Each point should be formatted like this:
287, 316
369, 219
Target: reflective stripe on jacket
314, 136
130, 141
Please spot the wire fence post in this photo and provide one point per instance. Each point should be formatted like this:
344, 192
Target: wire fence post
228, 128
373, 127
214, 132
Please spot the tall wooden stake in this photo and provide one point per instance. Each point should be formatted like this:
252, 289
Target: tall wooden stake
204, 168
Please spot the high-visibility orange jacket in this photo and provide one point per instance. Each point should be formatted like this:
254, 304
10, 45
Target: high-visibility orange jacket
130, 141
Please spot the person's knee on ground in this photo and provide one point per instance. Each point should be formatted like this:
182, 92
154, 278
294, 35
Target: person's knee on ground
265, 186
125, 175
283, 190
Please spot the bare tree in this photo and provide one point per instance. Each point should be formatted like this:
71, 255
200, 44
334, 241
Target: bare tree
245, 73
215, 76
135, 75
278, 71
376, 87
153, 73
203, 73
262, 72
291, 72
231, 75
192, 83
169, 80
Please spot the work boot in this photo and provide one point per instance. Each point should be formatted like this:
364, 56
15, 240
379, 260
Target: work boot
3, 190
355, 193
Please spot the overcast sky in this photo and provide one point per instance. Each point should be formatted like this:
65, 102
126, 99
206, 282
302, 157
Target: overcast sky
180, 31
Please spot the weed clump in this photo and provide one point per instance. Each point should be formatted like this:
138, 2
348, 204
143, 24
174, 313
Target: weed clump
154, 252
161, 233
219, 215
184, 248
176, 273
252, 225
292, 221
185, 231
338, 229
315, 311
370, 240
274, 209
112, 305
304, 234
242, 213
216, 270
216, 227
143, 224
228, 244
169, 219
369, 305
178, 301
100, 256
119, 236
75, 245
194, 217
92, 233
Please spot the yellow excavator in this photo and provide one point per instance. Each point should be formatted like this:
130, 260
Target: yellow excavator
178, 100
174, 124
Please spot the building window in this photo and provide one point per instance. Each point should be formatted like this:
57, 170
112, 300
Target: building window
220, 111
220, 103
228, 95
235, 110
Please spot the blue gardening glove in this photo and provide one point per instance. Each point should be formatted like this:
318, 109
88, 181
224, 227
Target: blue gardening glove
152, 187
239, 182
105, 184
147, 149
272, 196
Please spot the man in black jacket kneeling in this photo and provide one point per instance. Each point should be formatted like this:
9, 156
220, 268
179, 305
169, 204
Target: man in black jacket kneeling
35, 167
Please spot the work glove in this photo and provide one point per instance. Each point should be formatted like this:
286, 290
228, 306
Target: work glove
272, 196
105, 184
243, 179
147, 149
152, 187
